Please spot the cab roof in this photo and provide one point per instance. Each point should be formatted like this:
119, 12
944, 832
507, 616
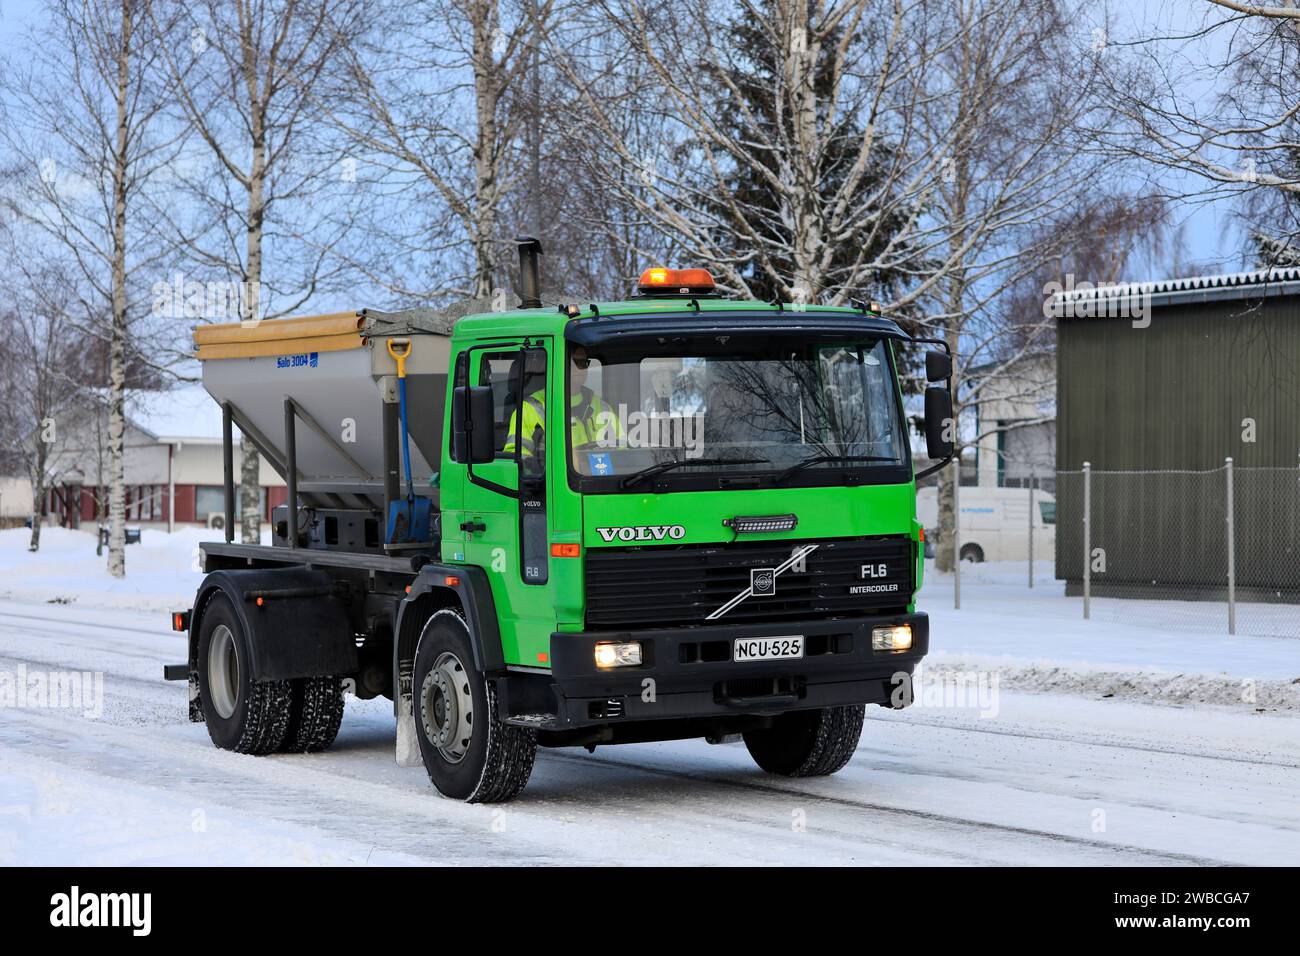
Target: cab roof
588, 323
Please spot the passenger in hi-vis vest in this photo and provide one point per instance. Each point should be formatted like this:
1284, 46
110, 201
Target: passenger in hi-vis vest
593, 423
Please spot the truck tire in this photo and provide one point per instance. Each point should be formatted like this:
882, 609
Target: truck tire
808, 743
315, 713
243, 715
468, 753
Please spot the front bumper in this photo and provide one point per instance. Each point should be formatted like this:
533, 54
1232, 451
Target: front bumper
688, 672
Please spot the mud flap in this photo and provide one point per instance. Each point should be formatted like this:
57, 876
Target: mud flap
408, 747
196, 701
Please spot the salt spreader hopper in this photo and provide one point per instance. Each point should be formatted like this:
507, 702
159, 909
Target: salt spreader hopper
320, 399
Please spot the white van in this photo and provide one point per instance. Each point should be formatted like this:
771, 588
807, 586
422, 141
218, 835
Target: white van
994, 522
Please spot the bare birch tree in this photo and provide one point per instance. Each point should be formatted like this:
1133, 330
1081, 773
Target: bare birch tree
85, 130
246, 75
601, 242
38, 372
825, 147
1213, 100
435, 99
1009, 95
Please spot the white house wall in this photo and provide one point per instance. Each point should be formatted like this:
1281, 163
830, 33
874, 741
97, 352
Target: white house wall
201, 464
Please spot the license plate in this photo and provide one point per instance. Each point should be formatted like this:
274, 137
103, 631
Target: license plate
767, 648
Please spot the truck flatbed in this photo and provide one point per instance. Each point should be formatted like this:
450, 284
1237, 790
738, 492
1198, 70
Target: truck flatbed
256, 554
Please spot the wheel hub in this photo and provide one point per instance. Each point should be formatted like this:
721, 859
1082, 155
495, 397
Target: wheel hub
447, 708
223, 671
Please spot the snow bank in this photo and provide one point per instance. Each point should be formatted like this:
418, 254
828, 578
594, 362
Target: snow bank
1147, 686
1175, 652
1040, 638
162, 571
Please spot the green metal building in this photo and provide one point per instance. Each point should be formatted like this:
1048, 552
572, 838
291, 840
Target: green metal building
1170, 378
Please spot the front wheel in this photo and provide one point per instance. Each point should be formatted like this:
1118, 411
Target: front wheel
468, 753
808, 743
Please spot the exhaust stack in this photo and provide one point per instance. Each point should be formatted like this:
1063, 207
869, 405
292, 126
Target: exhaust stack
530, 280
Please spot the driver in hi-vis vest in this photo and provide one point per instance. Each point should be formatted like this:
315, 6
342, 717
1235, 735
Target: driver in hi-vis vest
593, 423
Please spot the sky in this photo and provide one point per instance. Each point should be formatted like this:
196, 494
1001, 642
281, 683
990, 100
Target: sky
1212, 240
1212, 236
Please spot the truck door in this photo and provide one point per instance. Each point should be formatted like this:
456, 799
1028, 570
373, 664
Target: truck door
507, 536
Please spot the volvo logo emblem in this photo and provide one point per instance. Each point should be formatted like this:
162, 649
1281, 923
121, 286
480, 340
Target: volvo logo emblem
762, 581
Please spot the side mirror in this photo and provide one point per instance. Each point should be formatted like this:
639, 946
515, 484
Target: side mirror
473, 436
534, 361
938, 366
939, 426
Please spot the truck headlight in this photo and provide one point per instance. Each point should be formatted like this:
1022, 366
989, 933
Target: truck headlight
891, 637
609, 654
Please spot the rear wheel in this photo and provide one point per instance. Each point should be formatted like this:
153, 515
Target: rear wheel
808, 743
468, 753
243, 715
972, 553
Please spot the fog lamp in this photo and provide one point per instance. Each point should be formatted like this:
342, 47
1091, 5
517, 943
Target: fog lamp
891, 637
618, 655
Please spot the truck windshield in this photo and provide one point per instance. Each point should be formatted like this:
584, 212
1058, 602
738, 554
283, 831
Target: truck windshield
797, 413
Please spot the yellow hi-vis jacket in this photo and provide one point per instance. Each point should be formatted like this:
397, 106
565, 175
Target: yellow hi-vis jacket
591, 421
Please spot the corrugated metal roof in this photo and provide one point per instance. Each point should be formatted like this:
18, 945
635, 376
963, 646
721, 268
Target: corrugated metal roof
1191, 289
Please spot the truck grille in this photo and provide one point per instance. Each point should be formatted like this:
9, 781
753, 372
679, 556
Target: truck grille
677, 585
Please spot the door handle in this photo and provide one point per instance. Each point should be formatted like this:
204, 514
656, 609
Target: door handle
472, 526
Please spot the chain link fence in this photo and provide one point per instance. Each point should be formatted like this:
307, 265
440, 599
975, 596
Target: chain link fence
1215, 550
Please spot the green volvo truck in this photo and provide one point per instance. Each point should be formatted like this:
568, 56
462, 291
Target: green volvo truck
676, 516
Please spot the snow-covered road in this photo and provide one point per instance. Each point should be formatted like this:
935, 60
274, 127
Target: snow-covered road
1050, 779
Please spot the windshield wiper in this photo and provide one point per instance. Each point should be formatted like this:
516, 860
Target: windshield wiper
638, 476
823, 459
